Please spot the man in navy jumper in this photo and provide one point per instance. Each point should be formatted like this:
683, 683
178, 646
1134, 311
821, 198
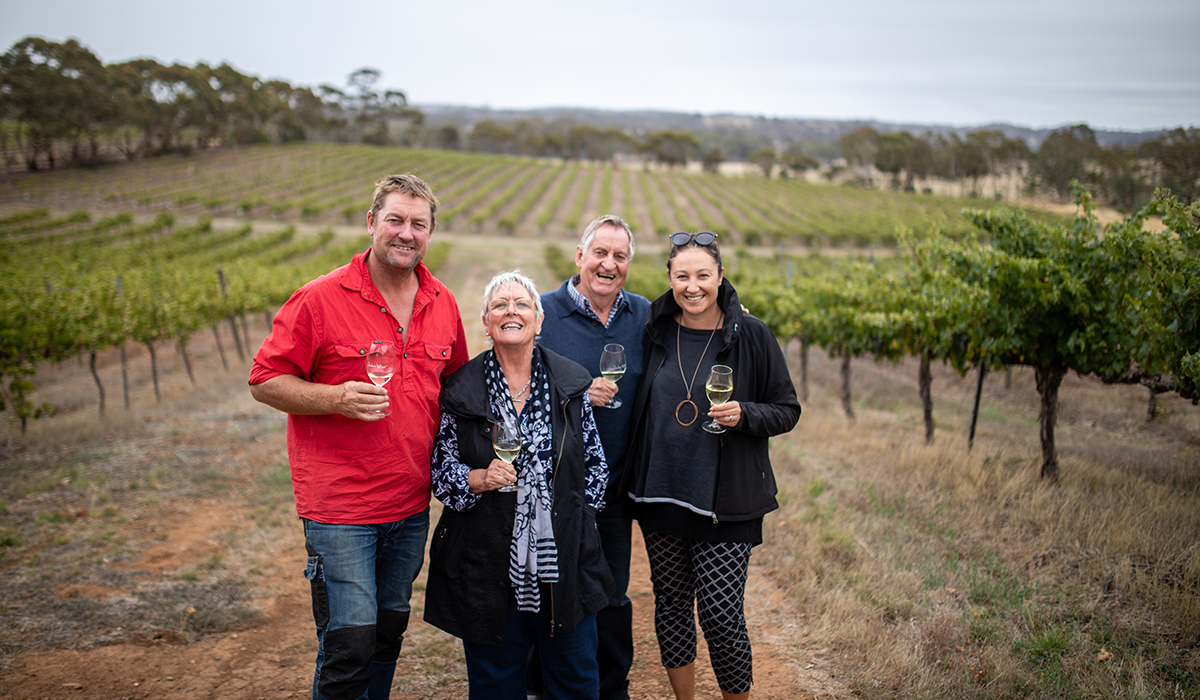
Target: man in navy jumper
587, 312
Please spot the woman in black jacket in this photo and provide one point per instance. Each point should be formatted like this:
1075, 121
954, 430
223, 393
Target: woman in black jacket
700, 496
508, 570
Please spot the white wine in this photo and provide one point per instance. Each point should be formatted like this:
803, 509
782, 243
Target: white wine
718, 395
613, 375
379, 379
507, 453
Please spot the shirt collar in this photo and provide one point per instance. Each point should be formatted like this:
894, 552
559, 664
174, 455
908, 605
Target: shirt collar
360, 281
585, 306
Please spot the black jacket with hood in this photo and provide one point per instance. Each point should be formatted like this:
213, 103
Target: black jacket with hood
762, 385
468, 588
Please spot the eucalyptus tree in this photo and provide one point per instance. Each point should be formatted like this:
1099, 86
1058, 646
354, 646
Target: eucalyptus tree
587, 141
711, 162
1004, 155
159, 101
363, 112
490, 136
447, 137
1178, 157
901, 152
244, 107
294, 113
53, 91
1063, 157
859, 148
765, 158
584, 141
798, 162
670, 147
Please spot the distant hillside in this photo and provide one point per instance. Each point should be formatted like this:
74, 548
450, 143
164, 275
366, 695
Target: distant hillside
780, 131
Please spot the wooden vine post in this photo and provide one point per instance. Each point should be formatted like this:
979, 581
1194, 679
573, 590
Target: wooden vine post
124, 359
233, 327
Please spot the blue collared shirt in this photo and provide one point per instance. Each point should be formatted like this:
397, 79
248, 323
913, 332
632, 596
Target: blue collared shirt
586, 306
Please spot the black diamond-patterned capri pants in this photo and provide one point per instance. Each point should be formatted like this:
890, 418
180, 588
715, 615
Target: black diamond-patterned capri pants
713, 575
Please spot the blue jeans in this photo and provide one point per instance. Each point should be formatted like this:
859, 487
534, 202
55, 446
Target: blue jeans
497, 671
361, 578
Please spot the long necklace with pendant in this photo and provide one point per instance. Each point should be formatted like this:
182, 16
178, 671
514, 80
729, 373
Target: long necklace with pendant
688, 385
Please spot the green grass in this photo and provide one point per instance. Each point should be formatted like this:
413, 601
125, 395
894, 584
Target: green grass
1045, 647
104, 536
212, 479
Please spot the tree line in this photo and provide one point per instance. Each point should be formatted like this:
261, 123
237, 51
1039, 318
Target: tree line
1124, 177
60, 104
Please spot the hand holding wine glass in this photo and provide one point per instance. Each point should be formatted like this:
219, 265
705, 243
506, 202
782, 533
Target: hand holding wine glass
506, 441
381, 365
719, 388
612, 368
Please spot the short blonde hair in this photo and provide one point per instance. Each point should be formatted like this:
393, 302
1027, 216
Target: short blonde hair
408, 184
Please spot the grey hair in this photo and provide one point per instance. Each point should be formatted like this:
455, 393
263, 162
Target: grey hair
507, 278
607, 220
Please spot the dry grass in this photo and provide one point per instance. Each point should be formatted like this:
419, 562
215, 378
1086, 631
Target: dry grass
917, 571
82, 500
937, 572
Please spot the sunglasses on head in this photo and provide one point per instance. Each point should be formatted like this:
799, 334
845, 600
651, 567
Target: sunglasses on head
702, 238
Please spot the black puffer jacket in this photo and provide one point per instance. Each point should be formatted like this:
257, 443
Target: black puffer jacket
762, 385
468, 588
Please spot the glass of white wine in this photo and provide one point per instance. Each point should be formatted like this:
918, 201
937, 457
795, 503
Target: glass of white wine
612, 368
719, 388
381, 365
506, 441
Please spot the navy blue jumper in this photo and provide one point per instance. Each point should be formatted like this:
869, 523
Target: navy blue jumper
570, 332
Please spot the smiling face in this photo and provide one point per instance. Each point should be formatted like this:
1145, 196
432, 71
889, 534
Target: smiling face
604, 265
400, 233
695, 278
511, 317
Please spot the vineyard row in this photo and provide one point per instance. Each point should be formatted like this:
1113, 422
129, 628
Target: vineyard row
328, 183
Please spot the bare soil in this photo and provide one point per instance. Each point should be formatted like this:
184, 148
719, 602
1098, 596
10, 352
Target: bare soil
154, 553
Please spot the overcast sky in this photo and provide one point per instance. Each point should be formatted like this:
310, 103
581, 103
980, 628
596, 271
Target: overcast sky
1114, 64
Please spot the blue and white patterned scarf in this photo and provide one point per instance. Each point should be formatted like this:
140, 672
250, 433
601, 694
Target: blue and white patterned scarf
533, 555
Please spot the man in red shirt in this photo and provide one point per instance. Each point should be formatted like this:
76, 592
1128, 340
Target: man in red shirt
359, 453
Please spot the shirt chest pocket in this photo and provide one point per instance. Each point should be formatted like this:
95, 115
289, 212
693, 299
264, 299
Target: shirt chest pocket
350, 358
433, 361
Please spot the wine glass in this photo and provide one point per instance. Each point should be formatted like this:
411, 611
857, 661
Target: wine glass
612, 368
381, 365
506, 441
719, 387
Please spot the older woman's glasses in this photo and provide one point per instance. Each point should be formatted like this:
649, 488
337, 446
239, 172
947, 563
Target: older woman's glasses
500, 306
702, 238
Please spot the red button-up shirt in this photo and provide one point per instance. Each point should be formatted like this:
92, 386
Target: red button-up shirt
347, 471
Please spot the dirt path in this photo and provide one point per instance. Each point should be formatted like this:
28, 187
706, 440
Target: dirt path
273, 660
201, 458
